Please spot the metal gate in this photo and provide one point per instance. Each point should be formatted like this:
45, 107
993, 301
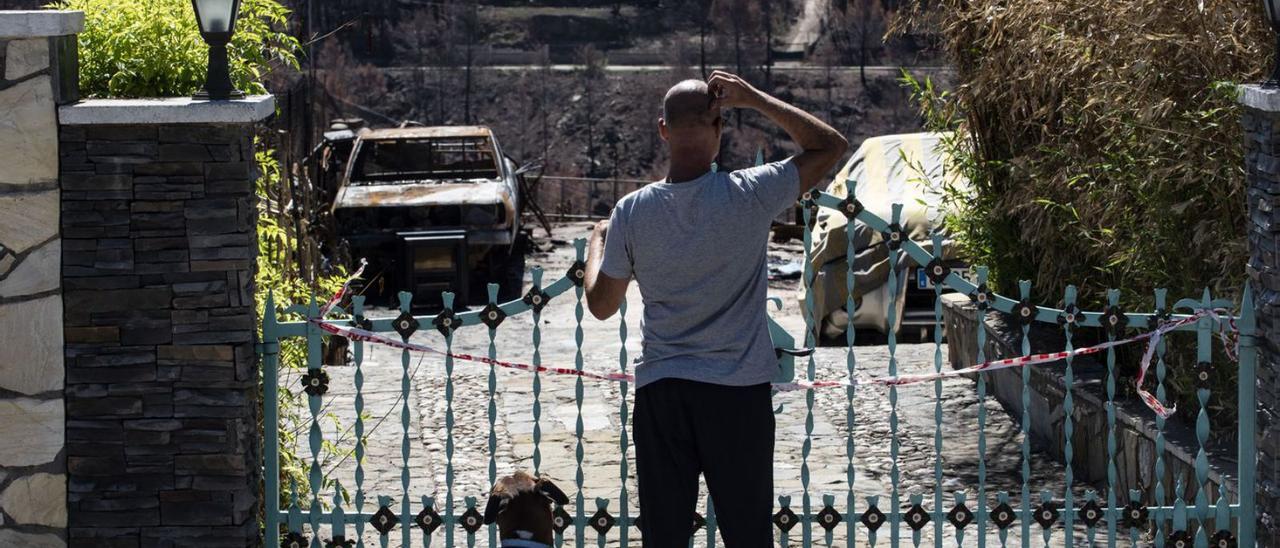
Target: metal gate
892, 520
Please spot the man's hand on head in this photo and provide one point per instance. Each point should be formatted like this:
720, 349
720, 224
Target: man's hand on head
731, 91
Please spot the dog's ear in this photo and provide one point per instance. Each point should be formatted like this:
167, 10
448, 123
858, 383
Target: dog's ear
552, 492
497, 503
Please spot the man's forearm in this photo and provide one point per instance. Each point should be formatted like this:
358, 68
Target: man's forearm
804, 129
595, 255
604, 294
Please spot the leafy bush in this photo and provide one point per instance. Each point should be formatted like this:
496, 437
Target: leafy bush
276, 243
1103, 142
1106, 132
152, 48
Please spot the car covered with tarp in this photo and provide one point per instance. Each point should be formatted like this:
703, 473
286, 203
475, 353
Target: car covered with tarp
909, 169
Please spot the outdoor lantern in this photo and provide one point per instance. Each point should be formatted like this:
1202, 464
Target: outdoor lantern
217, 20
1272, 8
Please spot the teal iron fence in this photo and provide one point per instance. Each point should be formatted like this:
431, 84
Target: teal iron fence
1174, 521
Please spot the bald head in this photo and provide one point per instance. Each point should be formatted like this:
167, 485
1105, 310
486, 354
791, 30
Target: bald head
687, 104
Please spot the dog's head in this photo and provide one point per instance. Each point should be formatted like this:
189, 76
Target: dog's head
521, 505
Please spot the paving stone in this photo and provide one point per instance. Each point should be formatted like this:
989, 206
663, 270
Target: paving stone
10, 537
38, 499
6, 262
38, 423
24, 57
39, 272
27, 110
27, 219
31, 346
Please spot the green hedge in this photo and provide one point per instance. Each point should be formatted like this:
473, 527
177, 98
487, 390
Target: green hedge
152, 48
1103, 142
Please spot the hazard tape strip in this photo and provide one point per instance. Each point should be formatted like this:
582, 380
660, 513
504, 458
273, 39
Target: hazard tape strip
1152, 337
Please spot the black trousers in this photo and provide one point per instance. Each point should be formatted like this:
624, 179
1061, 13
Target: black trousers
683, 428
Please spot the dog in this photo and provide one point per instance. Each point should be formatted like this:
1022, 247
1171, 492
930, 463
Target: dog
521, 505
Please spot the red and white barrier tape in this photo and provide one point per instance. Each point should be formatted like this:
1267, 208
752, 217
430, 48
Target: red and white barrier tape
1152, 337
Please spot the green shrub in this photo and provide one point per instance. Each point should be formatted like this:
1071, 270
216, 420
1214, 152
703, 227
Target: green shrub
1103, 142
276, 243
152, 48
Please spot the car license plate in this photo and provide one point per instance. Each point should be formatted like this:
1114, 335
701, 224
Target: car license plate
923, 281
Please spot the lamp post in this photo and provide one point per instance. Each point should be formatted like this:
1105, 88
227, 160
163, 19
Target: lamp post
217, 20
1273, 16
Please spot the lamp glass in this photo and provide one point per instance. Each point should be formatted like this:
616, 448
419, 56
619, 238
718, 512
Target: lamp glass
215, 15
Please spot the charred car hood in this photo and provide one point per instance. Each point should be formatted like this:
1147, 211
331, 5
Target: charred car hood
476, 192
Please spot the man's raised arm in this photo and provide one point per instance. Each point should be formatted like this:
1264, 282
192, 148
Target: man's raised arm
823, 145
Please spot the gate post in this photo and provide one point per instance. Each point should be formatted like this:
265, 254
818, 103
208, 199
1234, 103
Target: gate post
1261, 124
34, 78
159, 255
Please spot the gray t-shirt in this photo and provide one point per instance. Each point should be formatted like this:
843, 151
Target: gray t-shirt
698, 251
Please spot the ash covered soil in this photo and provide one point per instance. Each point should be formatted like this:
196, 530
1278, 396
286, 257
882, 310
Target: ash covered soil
435, 454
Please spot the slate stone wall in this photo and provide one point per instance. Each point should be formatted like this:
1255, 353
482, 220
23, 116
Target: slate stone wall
1261, 124
33, 510
161, 389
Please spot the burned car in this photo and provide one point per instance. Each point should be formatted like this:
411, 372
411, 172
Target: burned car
432, 209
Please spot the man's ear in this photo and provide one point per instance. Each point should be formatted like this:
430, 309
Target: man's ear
495, 506
552, 492
662, 129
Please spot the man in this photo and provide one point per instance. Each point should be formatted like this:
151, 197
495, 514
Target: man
695, 243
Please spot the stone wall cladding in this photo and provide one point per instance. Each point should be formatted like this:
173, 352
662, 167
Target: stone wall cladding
1261, 124
162, 412
33, 509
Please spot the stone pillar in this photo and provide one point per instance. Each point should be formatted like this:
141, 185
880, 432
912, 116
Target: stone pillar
1261, 120
33, 481
158, 220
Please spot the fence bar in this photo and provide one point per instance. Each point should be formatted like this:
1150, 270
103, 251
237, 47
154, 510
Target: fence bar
1068, 425
1159, 495
579, 520
1113, 299
1024, 291
271, 416
981, 501
623, 442
1248, 404
537, 376
493, 410
851, 362
357, 352
937, 396
406, 307
891, 320
1204, 355
810, 338
315, 438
